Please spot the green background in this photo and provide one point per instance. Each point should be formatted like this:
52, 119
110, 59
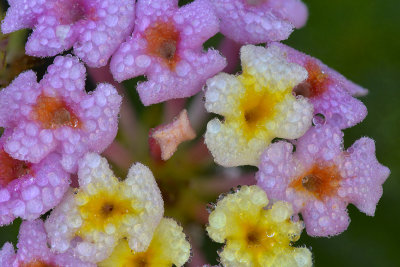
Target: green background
360, 39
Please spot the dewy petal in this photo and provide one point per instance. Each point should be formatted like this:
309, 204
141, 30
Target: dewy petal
29, 190
294, 11
104, 210
320, 179
258, 21
58, 115
257, 105
167, 47
33, 250
168, 247
327, 90
254, 235
365, 191
94, 29
7, 255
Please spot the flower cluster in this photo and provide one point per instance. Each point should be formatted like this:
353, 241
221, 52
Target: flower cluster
284, 113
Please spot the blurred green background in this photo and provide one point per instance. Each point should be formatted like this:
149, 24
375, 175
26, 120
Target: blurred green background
360, 39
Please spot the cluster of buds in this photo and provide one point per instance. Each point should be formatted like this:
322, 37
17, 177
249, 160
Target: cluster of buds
54, 131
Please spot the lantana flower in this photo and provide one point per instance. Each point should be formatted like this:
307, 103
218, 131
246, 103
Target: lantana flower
94, 29
328, 91
320, 179
258, 106
58, 115
28, 190
92, 219
168, 247
167, 47
254, 235
259, 21
34, 252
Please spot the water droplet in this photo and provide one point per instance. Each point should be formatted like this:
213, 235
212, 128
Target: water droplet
318, 119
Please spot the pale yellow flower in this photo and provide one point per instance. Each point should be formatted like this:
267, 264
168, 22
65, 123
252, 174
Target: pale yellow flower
256, 236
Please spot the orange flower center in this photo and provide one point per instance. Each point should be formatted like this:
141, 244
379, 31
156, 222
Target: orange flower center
11, 169
38, 263
316, 84
52, 113
319, 181
162, 41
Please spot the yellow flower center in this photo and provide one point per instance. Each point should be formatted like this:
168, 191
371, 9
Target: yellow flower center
104, 211
256, 108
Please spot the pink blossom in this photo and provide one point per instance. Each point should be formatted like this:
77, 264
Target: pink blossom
57, 115
328, 91
320, 179
33, 250
29, 190
259, 21
94, 28
167, 47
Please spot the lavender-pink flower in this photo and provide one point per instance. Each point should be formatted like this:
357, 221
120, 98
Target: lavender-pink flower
259, 21
33, 250
57, 114
320, 179
328, 91
94, 28
167, 47
28, 190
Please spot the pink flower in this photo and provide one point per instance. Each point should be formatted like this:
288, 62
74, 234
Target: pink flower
57, 114
94, 28
33, 250
259, 21
167, 47
320, 179
328, 91
29, 190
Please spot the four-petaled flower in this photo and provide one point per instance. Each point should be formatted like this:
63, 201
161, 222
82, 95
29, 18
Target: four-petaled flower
94, 28
254, 235
58, 115
104, 209
258, 106
167, 46
320, 179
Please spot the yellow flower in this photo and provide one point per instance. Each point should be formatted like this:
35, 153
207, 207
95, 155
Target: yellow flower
256, 236
168, 247
258, 105
104, 209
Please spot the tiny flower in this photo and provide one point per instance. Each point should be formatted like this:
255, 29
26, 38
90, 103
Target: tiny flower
167, 47
259, 21
254, 235
28, 190
94, 29
168, 247
327, 90
58, 115
320, 179
258, 106
34, 252
168, 137
104, 209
